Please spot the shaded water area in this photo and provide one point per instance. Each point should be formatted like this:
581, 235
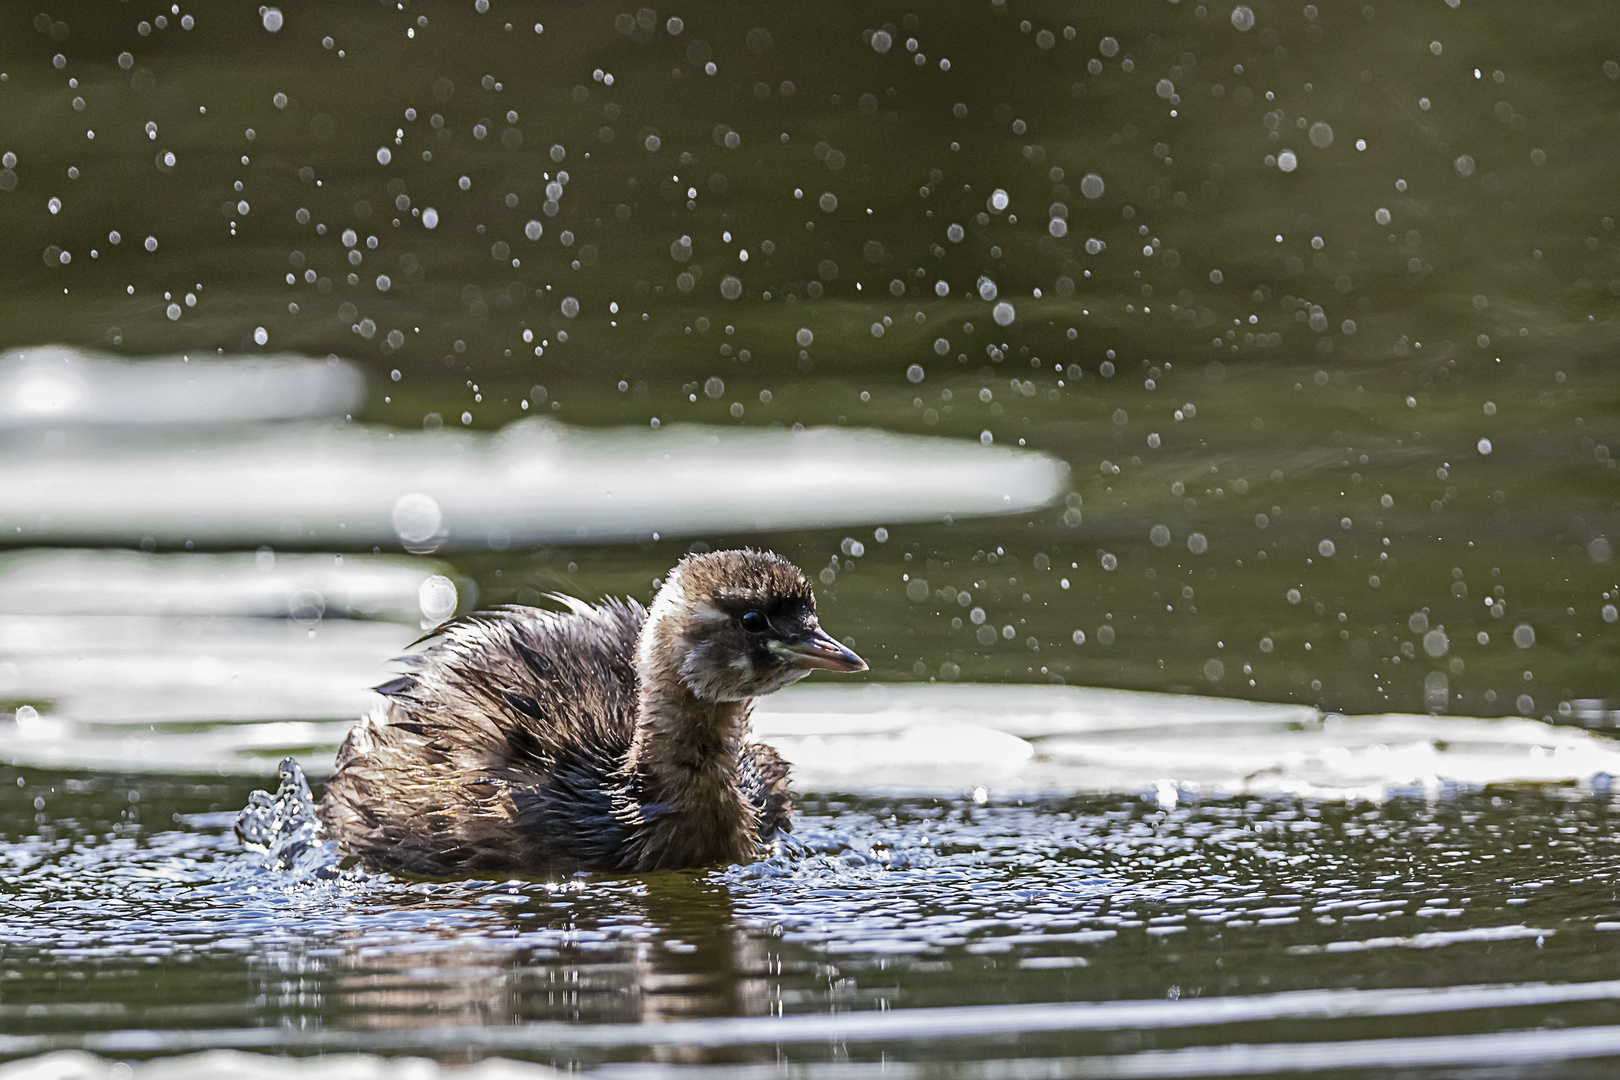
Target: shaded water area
1283, 333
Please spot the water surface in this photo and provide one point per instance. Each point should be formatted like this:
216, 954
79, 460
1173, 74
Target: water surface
136, 926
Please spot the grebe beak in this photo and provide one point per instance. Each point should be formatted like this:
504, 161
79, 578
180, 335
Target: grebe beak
818, 649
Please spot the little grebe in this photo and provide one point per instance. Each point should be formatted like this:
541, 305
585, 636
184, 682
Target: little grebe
608, 737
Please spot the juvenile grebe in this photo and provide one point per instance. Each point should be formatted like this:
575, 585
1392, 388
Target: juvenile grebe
609, 737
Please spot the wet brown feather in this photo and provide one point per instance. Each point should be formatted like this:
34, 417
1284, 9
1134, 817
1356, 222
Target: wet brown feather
527, 740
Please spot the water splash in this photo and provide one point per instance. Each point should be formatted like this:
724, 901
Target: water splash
831, 855
285, 828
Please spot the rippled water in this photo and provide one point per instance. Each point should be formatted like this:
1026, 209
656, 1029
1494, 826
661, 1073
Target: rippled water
136, 924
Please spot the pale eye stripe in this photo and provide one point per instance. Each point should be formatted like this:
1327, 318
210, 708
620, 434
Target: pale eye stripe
710, 613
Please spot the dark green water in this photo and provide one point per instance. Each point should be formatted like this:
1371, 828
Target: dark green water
1340, 435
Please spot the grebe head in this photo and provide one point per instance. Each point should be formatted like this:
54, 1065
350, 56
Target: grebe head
737, 624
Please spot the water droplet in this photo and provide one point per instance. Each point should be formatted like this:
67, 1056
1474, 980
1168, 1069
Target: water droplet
1435, 642
1484, 446
881, 42
1243, 18
1197, 543
1524, 635
1091, 186
804, 337
272, 19
570, 307
1003, 314
1325, 549
914, 373
416, 518
437, 597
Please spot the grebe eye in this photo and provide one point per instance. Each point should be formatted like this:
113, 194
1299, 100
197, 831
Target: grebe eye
755, 622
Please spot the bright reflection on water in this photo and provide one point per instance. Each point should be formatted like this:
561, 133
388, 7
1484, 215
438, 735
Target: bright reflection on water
889, 905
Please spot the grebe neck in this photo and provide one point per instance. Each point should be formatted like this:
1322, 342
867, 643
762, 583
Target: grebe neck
685, 749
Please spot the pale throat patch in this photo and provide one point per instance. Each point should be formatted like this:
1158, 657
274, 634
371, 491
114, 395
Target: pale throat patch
662, 615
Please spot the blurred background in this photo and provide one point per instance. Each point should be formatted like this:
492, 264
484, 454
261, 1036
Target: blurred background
1301, 314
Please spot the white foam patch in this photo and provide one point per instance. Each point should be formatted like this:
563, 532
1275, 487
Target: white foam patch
536, 481
52, 385
1085, 739
1434, 939
78, 1065
268, 584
